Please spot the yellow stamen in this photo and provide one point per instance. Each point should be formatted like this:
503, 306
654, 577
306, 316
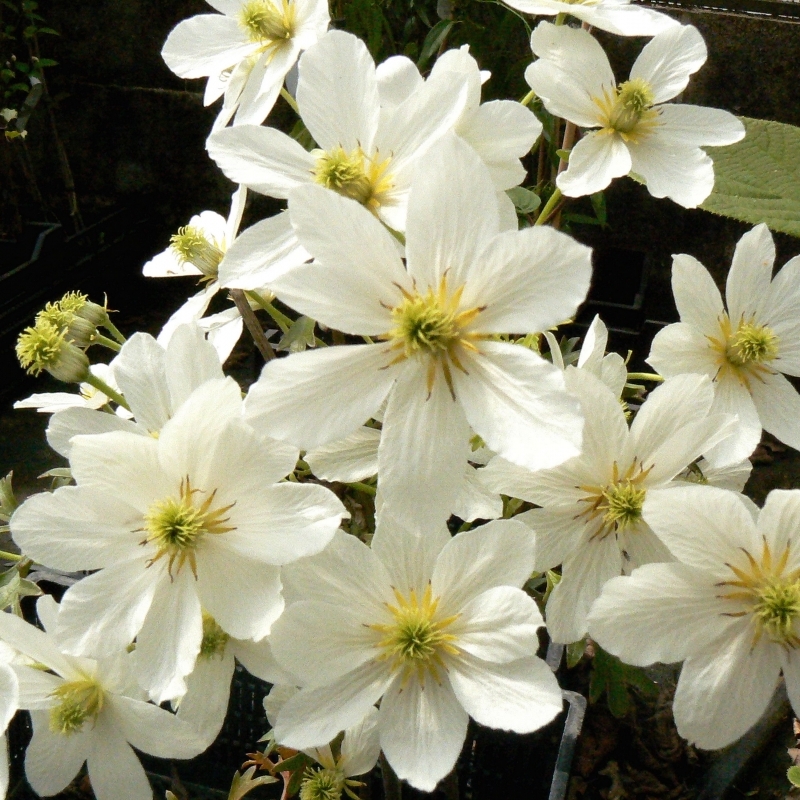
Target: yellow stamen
355, 175
79, 702
744, 353
265, 22
628, 110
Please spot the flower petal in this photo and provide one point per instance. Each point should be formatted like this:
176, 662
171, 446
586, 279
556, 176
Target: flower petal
52, 760
684, 174
208, 690
696, 295
594, 162
347, 460
681, 348
113, 764
778, 406
697, 126
750, 275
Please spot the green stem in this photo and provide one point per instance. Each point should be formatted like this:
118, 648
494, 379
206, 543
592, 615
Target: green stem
103, 387
549, 208
278, 317
645, 376
364, 487
561, 18
6, 556
290, 100
114, 331
528, 97
106, 342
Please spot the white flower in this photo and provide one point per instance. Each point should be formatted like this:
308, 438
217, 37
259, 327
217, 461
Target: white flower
438, 362
9, 704
433, 627
192, 519
355, 458
615, 16
501, 131
357, 753
730, 607
591, 521
609, 368
88, 397
88, 711
246, 51
639, 131
199, 249
154, 380
745, 349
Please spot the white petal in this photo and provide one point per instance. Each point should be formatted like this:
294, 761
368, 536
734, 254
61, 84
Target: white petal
114, 769
169, 640
779, 522
35, 644
520, 696
422, 730
669, 59
140, 372
51, 760
9, 697
515, 402
190, 361
749, 279
341, 387
662, 612
261, 253
678, 514
475, 501
571, 70
258, 660
681, 348
361, 746
697, 126
101, 614
265, 83
499, 553
398, 78
337, 93
423, 448
594, 162
696, 295
557, 533
263, 159
732, 397
208, 690
315, 716
704, 712
191, 311
528, 280
624, 19
778, 406
347, 460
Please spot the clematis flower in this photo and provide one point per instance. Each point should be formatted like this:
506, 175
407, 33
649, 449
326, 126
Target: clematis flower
192, 520
87, 397
746, 349
435, 628
615, 16
246, 51
154, 380
356, 754
437, 360
729, 607
639, 132
88, 711
590, 520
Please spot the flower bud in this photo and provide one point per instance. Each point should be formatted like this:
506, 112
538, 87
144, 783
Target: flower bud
45, 347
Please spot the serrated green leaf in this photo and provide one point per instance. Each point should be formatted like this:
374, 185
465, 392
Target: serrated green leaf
524, 200
758, 179
793, 774
299, 337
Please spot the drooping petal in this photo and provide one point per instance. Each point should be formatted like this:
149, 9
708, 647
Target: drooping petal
515, 402
35, 644
520, 696
732, 397
422, 730
361, 746
624, 19
341, 387
669, 59
662, 612
704, 713
594, 162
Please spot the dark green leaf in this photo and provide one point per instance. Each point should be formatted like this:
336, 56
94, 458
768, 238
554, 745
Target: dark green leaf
433, 41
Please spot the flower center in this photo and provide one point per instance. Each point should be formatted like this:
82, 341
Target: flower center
354, 175
745, 352
45, 346
193, 247
416, 638
177, 524
628, 110
214, 638
620, 502
322, 784
77, 702
769, 594
431, 325
265, 22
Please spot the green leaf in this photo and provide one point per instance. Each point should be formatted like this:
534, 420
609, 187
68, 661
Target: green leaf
575, 651
436, 37
50, 31
47, 62
299, 336
758, 179
613, 678
12, 588
8, 503
793, 774
58, 472
244, 783
525, 201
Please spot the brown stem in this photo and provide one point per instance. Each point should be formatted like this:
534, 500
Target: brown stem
253, 325
542, 163
392, 790
569, 139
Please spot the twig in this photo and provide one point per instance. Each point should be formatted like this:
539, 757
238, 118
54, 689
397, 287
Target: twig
252, 323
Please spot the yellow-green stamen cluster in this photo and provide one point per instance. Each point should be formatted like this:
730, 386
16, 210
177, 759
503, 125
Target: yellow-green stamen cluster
432, 325
619, 503
44, 346
192, 246
416, 638
214, 638
77, 702
768, 593
322, 784
355, 175
628, 110
265, 22
176, 525
744, 353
